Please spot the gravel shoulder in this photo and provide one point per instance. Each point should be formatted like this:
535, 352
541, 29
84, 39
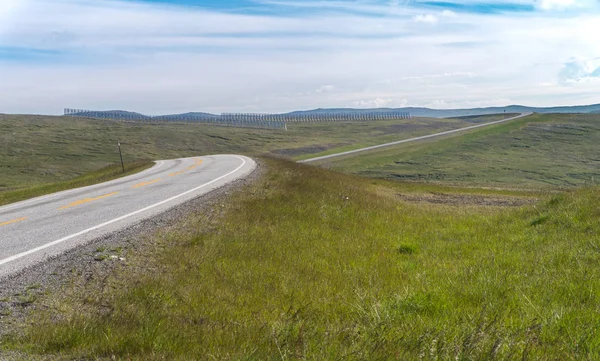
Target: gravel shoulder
22, 293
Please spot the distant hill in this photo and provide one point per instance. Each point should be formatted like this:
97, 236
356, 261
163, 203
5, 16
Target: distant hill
107, 113
446, 113
126, 115
414, 111
191, 116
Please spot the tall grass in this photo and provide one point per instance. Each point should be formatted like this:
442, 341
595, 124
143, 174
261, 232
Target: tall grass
310, 264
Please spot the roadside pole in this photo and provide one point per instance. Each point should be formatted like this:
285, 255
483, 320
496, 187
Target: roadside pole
121, 156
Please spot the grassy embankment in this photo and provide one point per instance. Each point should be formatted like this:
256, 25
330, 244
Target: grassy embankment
313, 264
537, 152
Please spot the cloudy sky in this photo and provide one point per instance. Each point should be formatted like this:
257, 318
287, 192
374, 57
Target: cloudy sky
166, 56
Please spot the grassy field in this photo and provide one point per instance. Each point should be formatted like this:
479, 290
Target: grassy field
537, 152
312, 264
37, 150
485, 118
309, 264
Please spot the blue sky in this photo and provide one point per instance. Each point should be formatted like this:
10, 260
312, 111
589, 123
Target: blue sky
166, 56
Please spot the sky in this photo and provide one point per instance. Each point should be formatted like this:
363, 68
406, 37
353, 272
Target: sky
174, 56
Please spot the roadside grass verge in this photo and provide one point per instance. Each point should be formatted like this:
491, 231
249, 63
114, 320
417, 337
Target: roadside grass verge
310, 264
99, 176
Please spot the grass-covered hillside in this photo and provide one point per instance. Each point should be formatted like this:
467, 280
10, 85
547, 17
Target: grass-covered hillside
536, 152
309, 264
36, 150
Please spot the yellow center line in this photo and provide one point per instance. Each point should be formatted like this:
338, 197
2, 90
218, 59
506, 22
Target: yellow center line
86, 200
198, 162
13, 221
176, 173
143, 184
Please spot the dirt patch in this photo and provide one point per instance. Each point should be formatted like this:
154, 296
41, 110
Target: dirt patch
467, 199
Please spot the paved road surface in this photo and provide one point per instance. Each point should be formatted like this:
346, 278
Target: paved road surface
411, 139
41, 227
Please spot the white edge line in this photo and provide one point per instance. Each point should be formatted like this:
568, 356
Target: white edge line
69, 191
523, 115
47, 245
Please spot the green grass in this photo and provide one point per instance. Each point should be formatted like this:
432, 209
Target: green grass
37, 150
536, 152
450, 123
485, 118
311, 264
372, 133
99, 176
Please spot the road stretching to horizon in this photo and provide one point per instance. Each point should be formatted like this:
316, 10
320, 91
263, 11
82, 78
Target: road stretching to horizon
35, 229
411, 139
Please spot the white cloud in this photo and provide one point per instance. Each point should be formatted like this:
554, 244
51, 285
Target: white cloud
8, 11
166, 59
449, 14
426, 18
549, 5
555, 4
372, 103
457, 104
577, 70
7, 7
380, 103
325, 89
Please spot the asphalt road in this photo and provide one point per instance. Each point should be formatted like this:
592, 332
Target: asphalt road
32, 230
411, 139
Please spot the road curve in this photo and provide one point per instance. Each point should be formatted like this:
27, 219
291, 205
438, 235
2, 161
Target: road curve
411, 139
32, 230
